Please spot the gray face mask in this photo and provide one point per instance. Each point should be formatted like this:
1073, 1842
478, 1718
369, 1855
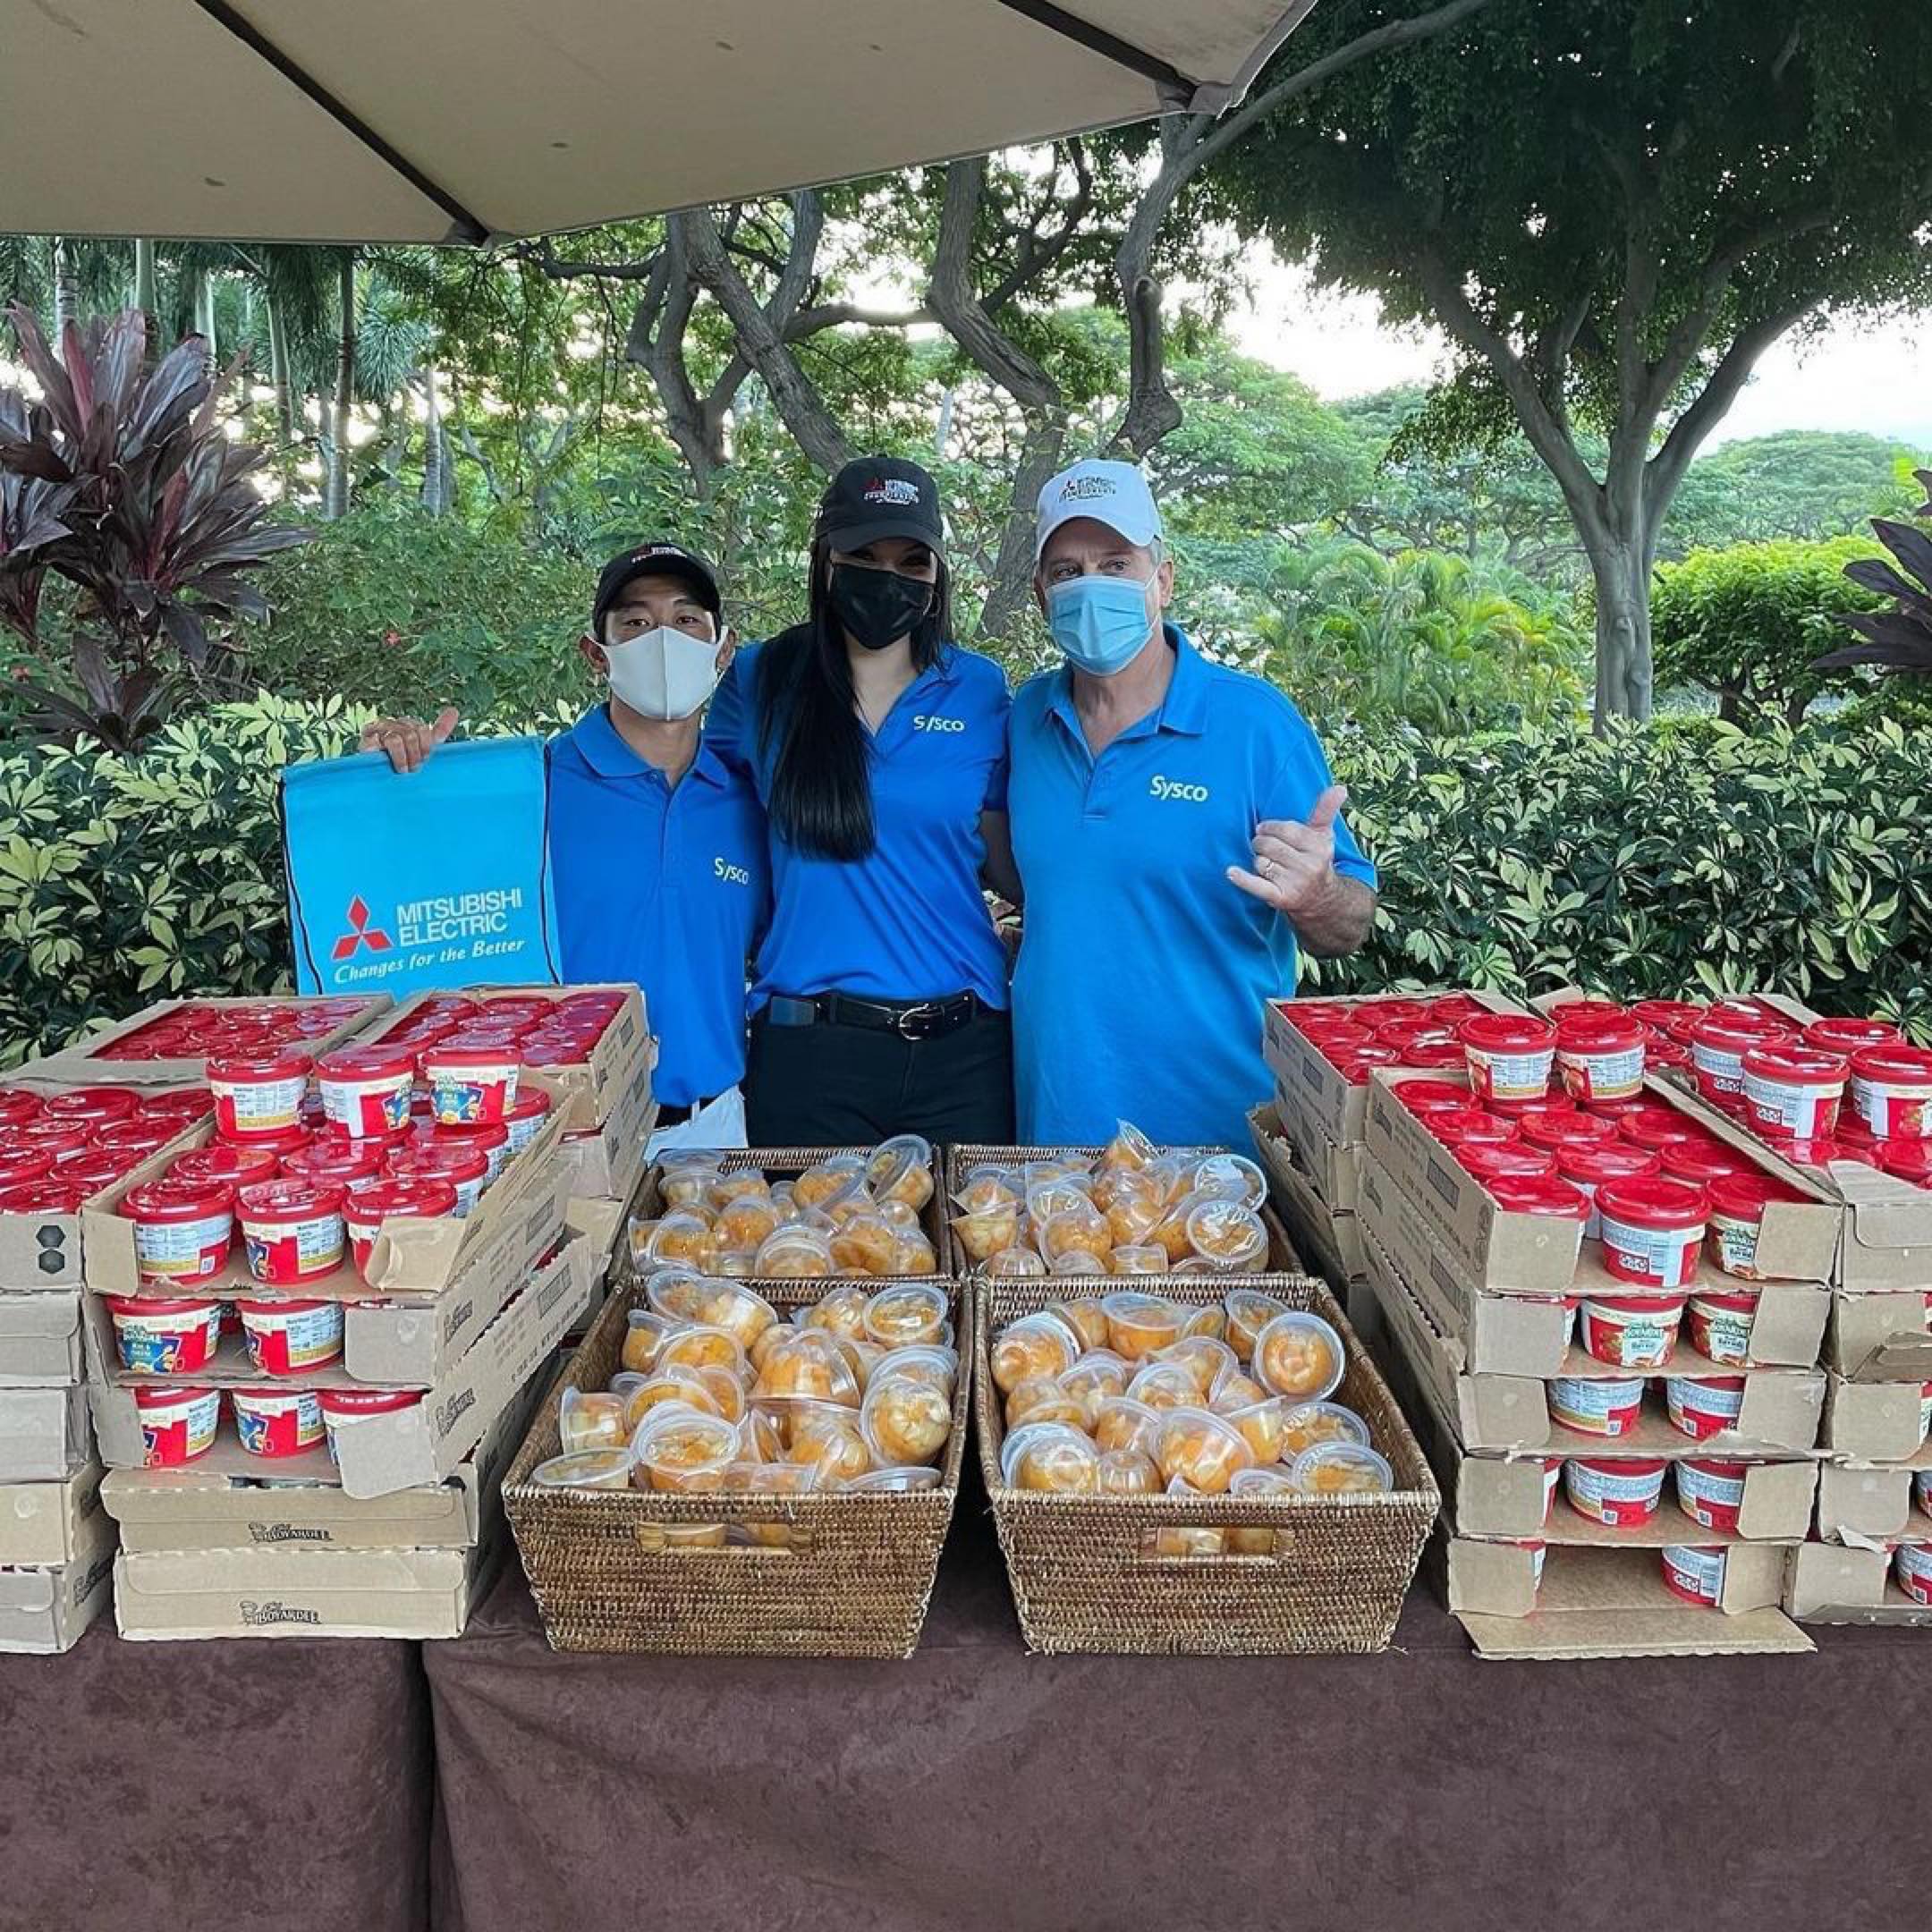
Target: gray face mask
663, 673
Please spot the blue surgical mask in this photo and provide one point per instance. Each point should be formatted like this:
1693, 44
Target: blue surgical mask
1102, 623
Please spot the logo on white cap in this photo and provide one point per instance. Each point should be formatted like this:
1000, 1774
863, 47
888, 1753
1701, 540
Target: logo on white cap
1088, 489
1115, 493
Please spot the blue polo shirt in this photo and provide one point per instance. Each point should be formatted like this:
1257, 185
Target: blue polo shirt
909, 921
665, 886
1143, 970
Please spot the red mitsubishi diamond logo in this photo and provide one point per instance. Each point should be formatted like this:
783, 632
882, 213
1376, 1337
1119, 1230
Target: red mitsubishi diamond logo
362, 932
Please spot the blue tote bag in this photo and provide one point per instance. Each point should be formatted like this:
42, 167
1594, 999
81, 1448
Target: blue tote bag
440, 879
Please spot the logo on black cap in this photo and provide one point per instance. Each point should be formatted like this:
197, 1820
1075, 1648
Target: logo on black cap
897, 493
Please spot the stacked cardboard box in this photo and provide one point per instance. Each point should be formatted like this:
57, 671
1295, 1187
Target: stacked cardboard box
1477, 1307
1310, 1141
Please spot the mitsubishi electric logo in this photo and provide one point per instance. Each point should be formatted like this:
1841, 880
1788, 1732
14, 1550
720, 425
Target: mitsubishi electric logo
1088, 488
360, 932
897, 491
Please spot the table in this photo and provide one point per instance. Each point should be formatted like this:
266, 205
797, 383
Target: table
231, 1787
976, 1789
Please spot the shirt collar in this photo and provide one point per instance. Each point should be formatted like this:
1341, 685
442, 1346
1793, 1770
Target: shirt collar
601, 747
1183, 709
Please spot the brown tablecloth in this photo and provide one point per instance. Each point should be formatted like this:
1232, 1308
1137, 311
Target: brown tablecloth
243, 1786
976, 1789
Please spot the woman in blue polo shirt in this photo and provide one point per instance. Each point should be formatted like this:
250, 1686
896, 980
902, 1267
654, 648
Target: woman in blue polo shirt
656, 848
879, 749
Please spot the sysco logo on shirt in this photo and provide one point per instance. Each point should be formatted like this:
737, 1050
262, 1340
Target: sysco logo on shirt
925, 722
732, 875
1173, 788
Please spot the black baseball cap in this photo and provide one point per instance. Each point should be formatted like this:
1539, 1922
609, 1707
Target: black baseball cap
882, 497
653, 559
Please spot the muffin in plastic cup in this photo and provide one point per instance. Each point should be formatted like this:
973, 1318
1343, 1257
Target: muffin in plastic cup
904, 1318
1039, 1344
1594, 1407
1307, 1424
1694, 1573
1720, 1323
277, 1422
683, 1450
1052, 1458
348, 1408
1711, 1494
1201, 1449
1342, 1469
177, 1424
1299, 1356
1230, 1235
1621, 1494
290, 1337
590, 1420
171, 1337
585, 1468
1629, 1331
1140, 1325
1123, 1423
905, 1422
1911, 1565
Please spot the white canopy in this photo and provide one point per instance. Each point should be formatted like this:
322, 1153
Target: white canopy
457, 120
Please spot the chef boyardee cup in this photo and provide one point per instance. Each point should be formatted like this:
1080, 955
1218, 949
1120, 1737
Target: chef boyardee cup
470, 1082
1509, 1057
177, 1424
1704, 1407
368, 1204
1600, 1059
1892, 1091
1652, 1229
257, 1094
293, 1230
1911, 1564
289, 1337
1630, 1331
1595, 1406
172, 1338
1620, 1494
1738, 1202
1793, 1092
278, 1422
182, 1229
1712, 1493
1694, 1573
345, 1408
366, 1090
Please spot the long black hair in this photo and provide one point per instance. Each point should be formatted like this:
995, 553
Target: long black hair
821, 790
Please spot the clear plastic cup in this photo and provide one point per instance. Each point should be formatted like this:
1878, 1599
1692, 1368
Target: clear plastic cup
680, 1450
1044, 1398
1229, 1234
1086, 1317
1204, 1357
936, 1362
840, 1311
1342, 1469
808, 1365
1142, 1324
894, 1481
1310, 1424
1254, 1540
679, 1294
1050, 1456
830, 1440
906, 1316
666, 1386
795, 1254
1034, 1345
1264, 1426
1249, 1312
901, 1170
1299, 1356
1128, 1473
1123, 1423
697, 1346
1166, 1385
1232, 1177
1014, 1263
905, 1422
587, 1420
585, 1468
1202, 1449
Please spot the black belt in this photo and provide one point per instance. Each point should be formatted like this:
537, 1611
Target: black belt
913, 1020
675, 1116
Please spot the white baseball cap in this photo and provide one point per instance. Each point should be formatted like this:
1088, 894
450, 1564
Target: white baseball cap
1112, 492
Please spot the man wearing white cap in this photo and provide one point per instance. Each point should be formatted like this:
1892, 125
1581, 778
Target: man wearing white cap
1178, 833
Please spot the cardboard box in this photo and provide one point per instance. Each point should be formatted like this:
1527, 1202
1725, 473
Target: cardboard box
1603, 1603
1834, 1583
1882, 1337
40, 1339
409, 1259
42, 1252
44, 1434
47, 1611
1328, 1240
162, 1595
1857, 1500
1887, 1231
1779, 1418
1532, 1254
197, 1508
1307, 1089
590, 1086
1874, 1421
46, 1524
1492, 1496
1529, 1336
76, 1064
606, 1162
415, 1446
1333, 1173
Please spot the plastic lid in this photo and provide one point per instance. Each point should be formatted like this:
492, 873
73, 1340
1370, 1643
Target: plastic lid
1452, 1128
441, 1160
458, 1053
243, 1070
1342, 1469
223, 1163
1655, 1132
384, 1060
23, 1161
1819, 1151
1852, 1036
1538, 1194
531, 1103
892, 1480
339, 1161
1908, 1160
586, 1469
1608, 1160
1432, 1095
40, 1198
1489, 1160
1272, 1480
1589, 1012
483, 1134
1299, 1355
1798, 1065
360, 1401
1495, 1032
901, 1316
1310, 1423
93, 1104
1231, 1176
166, 1394
1646, 1200
175, 1199
1689, 1160
291, 1199
423, 1198
1898, 1064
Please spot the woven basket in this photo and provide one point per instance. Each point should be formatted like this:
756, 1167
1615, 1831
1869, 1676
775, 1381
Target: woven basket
1084, 1578
852, 1580
959, 1160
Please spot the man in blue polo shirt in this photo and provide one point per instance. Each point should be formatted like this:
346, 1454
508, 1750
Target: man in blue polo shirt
657, 851
1178, 834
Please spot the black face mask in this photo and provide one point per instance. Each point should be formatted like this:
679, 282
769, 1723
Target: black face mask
878, 607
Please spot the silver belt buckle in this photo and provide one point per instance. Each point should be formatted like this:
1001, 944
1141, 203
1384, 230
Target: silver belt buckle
911, 1021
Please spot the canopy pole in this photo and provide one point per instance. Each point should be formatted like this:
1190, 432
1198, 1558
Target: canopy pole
1174, 86
466, 227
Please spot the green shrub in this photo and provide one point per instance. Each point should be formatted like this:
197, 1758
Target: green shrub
1745, 624
1648, 863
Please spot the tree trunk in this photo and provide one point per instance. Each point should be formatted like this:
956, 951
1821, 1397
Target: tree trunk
278, 376
1621, 567
145, 298
1012, 572
943, 427
66, 289
204, 315
435, 451
337, 502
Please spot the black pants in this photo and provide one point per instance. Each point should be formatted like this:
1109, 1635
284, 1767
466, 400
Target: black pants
848, 1086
